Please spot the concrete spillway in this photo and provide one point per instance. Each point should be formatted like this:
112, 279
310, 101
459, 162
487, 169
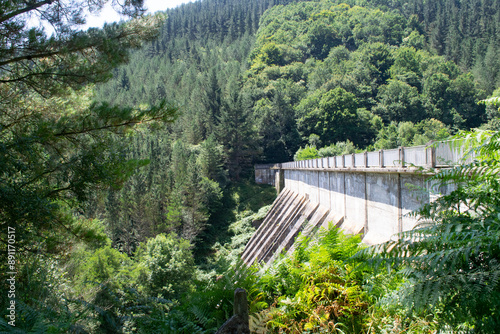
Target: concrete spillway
291, 214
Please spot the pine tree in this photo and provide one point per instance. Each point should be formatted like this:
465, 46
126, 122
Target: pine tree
235, 130
212, 99
54, 141
277, 128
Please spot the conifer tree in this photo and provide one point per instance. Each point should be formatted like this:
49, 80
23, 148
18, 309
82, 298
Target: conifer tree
236, 131
54, 140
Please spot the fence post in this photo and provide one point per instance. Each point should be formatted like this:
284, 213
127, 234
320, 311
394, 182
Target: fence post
241, 305
239, 322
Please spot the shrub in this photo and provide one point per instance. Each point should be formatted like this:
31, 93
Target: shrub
309, 152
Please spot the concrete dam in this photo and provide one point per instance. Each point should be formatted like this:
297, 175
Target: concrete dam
368, 193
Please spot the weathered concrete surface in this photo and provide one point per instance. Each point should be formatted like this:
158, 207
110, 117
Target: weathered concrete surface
382, 220
271, 217
264, 174
373, 204
355, 204
287, 236
368, 193
290, 215
270, 239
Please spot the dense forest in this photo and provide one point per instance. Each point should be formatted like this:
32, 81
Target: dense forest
127, 158
313, 79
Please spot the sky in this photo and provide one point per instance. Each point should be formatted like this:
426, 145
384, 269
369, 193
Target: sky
109, 15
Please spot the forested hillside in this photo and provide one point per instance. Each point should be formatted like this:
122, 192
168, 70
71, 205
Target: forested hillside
128, 174
197, 63
335, 76
195, 71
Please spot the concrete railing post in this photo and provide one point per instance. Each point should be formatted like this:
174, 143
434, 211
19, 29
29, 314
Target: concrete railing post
401, 156
431, 155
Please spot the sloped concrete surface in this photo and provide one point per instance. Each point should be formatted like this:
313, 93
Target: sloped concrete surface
291, 214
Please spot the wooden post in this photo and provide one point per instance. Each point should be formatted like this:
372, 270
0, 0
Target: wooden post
239, 322
241, 305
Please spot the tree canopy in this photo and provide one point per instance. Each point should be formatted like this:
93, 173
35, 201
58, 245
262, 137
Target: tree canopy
54, 139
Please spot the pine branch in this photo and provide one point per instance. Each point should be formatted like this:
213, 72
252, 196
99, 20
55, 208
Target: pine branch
29, 7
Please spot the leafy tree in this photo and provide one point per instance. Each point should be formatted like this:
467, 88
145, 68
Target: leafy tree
379, 58
399, 102
335, 117
396, 134
105, 265
493, 111
309, 152
339, 148
170, 266
322, 38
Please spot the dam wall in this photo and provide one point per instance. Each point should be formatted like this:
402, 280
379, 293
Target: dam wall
370, 193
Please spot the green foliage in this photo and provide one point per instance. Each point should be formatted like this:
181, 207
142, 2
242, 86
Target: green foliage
339, 148
359, 72
314, 29
212, 305
451, 258
235, 130
400, 102
316, 289
493, 111
277, 124
309, 152
62, 145
334, 118
181, 190
251, 197
103, 266
395, 134
169, 266
241, 230
54, 139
